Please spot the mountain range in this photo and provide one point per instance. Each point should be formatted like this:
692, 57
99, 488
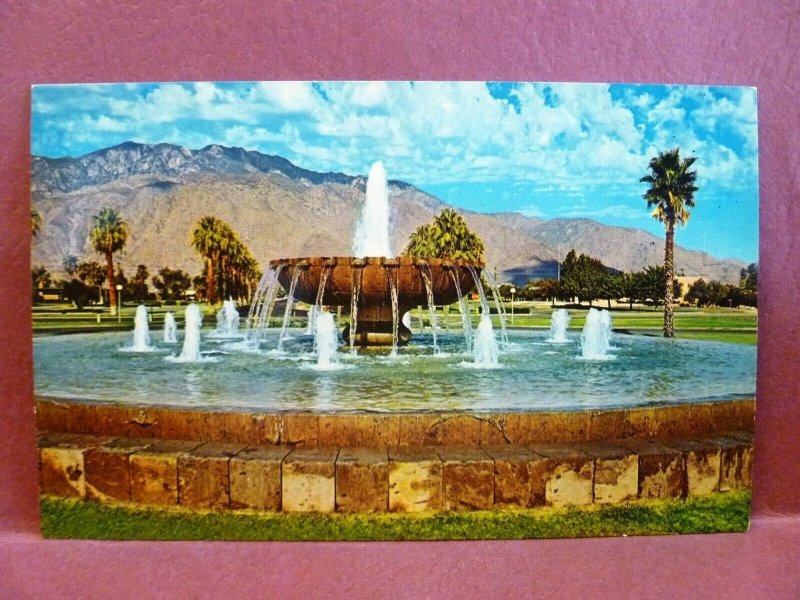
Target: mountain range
280, 210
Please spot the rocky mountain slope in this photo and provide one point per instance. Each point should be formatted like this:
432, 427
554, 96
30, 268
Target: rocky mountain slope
280, 210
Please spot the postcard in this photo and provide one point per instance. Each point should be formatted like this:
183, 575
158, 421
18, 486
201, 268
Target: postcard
403, 310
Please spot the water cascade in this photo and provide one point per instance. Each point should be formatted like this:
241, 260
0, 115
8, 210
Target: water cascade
227, 320
262, 305
141, 331
426, 277
395, 314
372, 232
326, 341
356, 275
317, 308
596, 335
501, 312
170, 329
559, 321
466, 317
287, 313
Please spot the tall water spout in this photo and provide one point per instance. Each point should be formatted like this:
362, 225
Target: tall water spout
559, 321
170, 329
141, 331
191, 338
326, 341
484, 351
227, 319
372, 232
596, 335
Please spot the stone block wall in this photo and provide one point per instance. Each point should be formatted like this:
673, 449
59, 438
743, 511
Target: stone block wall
231, 475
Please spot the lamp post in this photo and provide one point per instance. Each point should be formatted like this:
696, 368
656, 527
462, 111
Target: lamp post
119, 303
513, 291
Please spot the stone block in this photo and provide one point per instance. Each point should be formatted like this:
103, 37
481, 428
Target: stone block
415, 479
362, 480
513, 468
108, 473
203, 475
255, 477
358, 430
62, 469
736, 463
549, 428
467, 478
662, 473
702, 459
499, 429
301, 429
154, 472
616, 472
563, 478
308, 482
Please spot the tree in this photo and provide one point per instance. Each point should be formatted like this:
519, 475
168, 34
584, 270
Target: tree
70, 264
78, 292
109, 234
171, 283
40, 278
671, 193
93, 274
446, 237
36, 222
206, 241
230, 269
748, 278
586, 278
138, 284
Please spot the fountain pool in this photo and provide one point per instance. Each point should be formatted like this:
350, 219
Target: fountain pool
533, 375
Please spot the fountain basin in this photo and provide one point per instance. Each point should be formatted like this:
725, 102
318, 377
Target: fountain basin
371, 279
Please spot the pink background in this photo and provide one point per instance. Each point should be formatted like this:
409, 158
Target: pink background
739, 43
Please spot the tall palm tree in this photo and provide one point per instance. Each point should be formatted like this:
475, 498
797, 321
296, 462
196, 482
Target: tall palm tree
109, 234
206, 241
671, 192
36, 222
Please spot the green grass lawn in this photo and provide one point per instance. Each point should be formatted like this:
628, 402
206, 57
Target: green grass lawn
718, 324
727, 512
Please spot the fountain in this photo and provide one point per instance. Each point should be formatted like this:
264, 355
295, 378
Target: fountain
374, 287
326, 342
485, 351
227, 320
141, 332
372, 232
170, 329
559, 321
596, 335
191, 338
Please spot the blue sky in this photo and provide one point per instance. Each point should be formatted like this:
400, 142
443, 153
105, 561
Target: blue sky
544, 149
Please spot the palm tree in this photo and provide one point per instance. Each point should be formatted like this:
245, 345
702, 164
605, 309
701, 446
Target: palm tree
206, 240
446, 237
36, 222
109, 234
671, 192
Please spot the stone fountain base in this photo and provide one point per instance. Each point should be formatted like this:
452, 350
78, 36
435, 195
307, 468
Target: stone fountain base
375, 328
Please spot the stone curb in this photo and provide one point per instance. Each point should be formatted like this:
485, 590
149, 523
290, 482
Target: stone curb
233, 476
379, 430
